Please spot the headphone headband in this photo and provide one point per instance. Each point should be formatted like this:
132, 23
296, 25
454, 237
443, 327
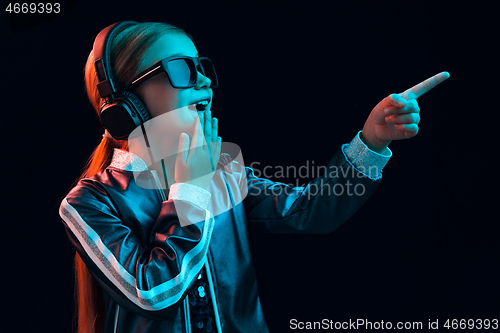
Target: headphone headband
102, 57
122, 110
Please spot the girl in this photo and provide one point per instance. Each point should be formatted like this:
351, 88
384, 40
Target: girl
162, 243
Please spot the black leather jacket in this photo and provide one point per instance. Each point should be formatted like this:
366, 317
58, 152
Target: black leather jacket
131, 241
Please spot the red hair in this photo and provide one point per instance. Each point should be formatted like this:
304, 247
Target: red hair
128, 51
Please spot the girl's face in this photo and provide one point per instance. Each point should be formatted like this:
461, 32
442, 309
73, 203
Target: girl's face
158, 94
172, 110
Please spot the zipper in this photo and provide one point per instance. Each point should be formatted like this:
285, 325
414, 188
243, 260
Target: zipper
158, 185
117, 311
212, 294
187, 315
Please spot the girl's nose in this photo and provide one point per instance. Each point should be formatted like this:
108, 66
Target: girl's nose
202, 82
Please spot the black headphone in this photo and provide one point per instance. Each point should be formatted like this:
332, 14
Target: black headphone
122, 110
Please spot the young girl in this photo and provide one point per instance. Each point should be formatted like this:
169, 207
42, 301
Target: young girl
162, 243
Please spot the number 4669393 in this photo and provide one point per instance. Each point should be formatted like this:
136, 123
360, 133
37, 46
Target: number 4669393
32, 8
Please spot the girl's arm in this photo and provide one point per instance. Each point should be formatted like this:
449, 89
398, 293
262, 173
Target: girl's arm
351, 176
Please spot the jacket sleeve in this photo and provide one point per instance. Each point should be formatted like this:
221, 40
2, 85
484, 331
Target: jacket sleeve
350, 178
152, 278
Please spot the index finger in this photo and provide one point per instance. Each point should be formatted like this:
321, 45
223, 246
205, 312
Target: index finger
424, 86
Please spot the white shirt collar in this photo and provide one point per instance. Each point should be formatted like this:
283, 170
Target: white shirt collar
127, 161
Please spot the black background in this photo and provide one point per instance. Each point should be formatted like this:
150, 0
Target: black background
298, 79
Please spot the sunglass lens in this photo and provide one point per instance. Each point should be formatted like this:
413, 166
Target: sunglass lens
209, 71
181, 73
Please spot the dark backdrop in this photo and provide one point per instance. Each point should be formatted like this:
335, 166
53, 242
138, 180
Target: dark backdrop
298, 79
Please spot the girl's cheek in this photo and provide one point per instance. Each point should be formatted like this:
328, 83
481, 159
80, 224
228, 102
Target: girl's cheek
183, 120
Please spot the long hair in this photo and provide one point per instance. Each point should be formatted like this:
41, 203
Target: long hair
128, 51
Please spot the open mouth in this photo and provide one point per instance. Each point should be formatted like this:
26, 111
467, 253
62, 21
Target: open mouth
202, 105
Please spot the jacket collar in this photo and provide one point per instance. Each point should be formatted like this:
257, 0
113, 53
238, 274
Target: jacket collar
127, 161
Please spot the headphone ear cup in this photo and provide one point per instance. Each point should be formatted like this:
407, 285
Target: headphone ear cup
137, 104
123, 114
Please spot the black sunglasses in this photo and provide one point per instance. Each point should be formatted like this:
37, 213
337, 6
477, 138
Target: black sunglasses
181, 71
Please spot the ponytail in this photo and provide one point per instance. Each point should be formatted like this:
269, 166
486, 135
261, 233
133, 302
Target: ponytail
89, 305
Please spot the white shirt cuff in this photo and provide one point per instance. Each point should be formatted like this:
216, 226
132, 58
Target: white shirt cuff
365, 160
190, 193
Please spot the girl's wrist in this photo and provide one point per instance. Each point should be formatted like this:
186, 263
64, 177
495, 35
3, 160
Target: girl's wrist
375, 145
